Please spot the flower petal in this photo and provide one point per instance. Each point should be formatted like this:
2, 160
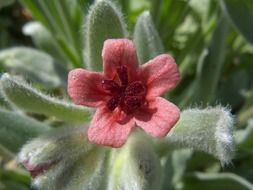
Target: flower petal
109, 129
85, 88
160, 75
159, 118
118, 52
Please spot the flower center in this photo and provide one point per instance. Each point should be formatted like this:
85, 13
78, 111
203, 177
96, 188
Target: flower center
128, 96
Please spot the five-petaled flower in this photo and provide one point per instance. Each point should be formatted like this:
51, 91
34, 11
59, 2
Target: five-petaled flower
126, 94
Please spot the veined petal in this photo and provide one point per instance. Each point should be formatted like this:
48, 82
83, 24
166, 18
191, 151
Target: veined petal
109, 129
159, 118
160, 75
117, 52
85, 88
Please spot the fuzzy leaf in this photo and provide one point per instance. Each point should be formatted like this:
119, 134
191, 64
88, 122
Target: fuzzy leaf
69, 160
31, 63
3, 102
241, 13
146, 38
104, 21
179, 163
209, 130
29, 99
44, 40
17, 129
142, 171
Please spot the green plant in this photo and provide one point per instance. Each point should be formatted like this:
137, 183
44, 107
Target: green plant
212, 44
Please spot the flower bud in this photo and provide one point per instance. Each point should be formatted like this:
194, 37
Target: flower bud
63, 159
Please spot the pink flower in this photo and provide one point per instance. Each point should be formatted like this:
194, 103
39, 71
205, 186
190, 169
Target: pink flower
126, 94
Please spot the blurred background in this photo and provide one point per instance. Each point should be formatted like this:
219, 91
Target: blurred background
211, 40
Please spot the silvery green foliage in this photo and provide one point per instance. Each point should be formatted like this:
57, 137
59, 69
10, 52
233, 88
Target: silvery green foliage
135, 166
31, 63
74, 163
179, 164
44, 40
146, 38
23, 96
69, 160
16, 129
209, 130
104, 21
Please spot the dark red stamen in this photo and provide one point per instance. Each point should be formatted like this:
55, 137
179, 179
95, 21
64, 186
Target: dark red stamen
113, 103
129, 97
132, 103
110, 85
122, 74
135, 88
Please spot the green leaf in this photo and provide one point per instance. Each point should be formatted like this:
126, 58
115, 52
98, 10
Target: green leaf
64, 26
168, 15
16, 174
246, 112
244, 137
174, 168
179, 163
208, 130
74, 162
29, 99
6, 154
44, 40
2, 100
241, 14
17, 129
135, 166
6, 3
230, 90
103, 22
217, 181
167, 170
210, 66
31, 63
146, 38
9, 185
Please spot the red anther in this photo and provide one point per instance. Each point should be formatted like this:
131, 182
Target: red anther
122, 74
110, 85
135, 89
133, 102
128, 97
113, 103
